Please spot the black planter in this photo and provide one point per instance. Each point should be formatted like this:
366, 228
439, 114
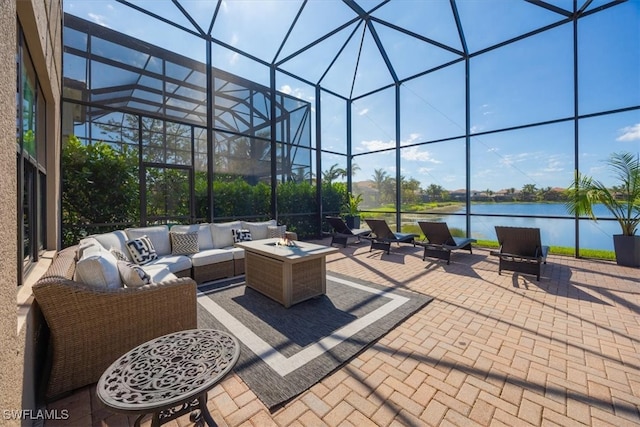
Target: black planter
353, 222
627, 250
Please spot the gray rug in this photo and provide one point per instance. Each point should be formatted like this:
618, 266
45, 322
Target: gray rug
286, 351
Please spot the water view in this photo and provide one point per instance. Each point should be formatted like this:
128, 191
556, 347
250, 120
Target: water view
554, 232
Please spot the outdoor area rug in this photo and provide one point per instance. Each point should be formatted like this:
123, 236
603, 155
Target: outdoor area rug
284, 351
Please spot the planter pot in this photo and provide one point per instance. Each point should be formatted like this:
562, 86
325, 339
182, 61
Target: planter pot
627, 250
353, 222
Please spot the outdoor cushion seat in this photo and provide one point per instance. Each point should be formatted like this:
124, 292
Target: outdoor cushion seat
211, 256
175, 263
520, 250
381, 235
342, 232
438, 242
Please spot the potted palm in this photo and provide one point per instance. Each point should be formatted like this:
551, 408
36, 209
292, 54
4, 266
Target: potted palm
623, 201
352, 210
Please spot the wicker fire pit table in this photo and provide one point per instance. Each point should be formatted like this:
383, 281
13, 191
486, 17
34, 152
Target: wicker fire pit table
169, 376
288, 272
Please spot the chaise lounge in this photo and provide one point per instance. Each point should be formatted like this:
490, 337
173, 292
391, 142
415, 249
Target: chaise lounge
439, 242
381, 235
342, 233
520, 250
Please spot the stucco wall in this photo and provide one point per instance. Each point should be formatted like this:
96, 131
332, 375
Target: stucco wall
41, 21
10, 365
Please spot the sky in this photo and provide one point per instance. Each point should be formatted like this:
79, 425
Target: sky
528, 81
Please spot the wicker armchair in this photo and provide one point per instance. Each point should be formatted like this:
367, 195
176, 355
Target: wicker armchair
90, 328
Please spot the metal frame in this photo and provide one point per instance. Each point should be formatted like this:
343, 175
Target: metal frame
364, 21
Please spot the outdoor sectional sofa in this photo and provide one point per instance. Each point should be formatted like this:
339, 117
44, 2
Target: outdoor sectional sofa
97, 307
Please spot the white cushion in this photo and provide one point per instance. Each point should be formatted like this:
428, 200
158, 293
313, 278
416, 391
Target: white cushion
99, 270
221, 233
211, 256
158, 234
86, 246
204, 233
132, 275
238, 253
113, 240
174, 263
162, 274
258, 229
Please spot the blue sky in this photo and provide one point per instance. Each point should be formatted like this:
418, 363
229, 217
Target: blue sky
528, 81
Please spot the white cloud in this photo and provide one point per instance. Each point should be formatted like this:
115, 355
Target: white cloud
408, 153
377, 145
630, 133
412, 138
98, 19
509, 159
296, 92
414, 153
554, 164
363, 111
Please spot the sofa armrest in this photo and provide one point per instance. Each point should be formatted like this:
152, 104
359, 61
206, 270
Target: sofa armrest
90, 328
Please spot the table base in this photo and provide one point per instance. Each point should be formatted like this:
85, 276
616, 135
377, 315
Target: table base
197, 407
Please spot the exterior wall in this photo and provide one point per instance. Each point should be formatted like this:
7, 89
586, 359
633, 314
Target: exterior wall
10, 365
21, 334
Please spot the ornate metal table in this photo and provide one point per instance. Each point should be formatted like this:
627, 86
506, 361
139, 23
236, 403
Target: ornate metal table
170, 375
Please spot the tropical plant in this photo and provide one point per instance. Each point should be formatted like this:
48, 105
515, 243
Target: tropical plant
623, 202
352, 206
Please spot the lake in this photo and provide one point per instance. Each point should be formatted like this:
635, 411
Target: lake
554, 232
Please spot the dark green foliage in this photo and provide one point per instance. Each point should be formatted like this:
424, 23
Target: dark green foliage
99, 186
239, 199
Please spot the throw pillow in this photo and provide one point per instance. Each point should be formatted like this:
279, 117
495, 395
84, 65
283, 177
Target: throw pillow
184, 243
133, 276
276, 231
141, 250
240, 235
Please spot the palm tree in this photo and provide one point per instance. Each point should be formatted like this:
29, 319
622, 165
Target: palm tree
379, 176
623, 201
333, 173
528, 190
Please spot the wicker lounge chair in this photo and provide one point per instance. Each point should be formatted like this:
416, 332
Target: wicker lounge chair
520, 250
439, 242
89, 328
341, 232
381, 235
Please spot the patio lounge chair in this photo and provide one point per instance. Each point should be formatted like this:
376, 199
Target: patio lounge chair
520, 250
439, 242
342, 232
381, 235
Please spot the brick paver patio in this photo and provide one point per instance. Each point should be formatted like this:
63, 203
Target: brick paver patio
491, 349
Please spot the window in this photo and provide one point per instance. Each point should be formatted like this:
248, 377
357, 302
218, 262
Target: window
30, 150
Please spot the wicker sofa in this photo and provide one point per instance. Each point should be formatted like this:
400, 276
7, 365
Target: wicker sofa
94, 315
212, 255
91, 327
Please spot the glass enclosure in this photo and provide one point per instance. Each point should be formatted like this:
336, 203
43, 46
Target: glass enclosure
475, 113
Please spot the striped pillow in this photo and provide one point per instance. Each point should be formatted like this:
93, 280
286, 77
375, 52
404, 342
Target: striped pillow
184, 243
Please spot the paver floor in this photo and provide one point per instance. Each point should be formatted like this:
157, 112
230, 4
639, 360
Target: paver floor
489, 350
